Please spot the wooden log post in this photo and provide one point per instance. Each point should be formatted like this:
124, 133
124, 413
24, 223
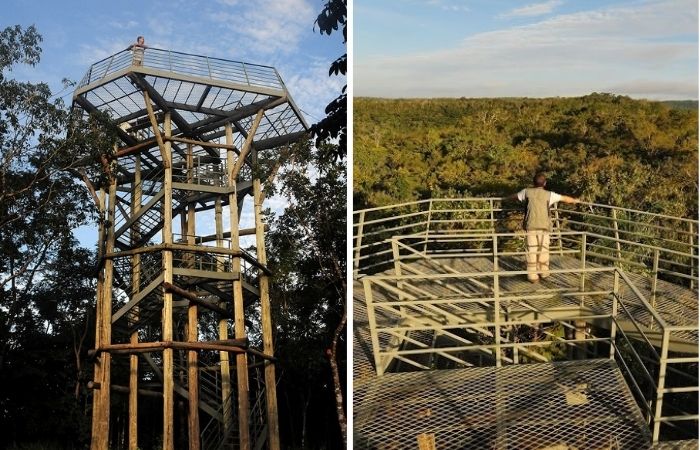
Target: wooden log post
134, 338
99, 367
265, 313
238, 309
192, 327
225, 365
167, 319
106, 324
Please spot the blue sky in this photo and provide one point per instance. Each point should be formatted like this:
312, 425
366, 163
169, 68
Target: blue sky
501, 48
275, 33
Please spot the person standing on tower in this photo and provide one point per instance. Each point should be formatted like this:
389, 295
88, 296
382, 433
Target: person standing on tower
138, 50
538, 225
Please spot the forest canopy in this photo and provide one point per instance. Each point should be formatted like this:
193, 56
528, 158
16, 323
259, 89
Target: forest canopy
603, 148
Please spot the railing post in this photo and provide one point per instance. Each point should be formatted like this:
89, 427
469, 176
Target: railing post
583, 264
496, 302
692, 255
373, 327
245, 72
557, 221
613, 316
358, 238
655, 277
613, 211
660, 386
427, 227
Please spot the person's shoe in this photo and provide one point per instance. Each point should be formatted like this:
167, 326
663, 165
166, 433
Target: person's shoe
535, 281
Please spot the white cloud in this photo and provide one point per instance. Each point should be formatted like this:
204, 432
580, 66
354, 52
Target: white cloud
268, 26
569, 54
128, 25
311, 87
535, 9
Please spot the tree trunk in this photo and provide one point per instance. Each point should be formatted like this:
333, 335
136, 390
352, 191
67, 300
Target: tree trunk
342, 421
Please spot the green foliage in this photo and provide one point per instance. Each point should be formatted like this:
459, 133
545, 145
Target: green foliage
334, 125
46, 284
307, 256
604, 148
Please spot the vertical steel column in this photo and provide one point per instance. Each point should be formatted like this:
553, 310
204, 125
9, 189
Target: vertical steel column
660, 386
613, 211
613, 319
496, 301
265, 312
371, 318
655, 277
692, 255
583, 265
356, 263
427, 226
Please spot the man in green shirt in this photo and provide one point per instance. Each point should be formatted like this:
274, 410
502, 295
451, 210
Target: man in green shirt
538, 225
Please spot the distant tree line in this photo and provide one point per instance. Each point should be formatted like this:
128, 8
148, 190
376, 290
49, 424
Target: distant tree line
603, 148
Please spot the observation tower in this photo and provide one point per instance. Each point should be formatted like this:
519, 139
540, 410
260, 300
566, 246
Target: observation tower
454, 349
178, 295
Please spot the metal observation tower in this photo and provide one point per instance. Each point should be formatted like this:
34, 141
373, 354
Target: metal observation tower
177, 294
454, 349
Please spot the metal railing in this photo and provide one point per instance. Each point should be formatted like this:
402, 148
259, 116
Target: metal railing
187, 64
653, 244
419, 317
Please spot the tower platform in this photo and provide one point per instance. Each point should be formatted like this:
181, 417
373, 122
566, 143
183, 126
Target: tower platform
563, 405
602, 354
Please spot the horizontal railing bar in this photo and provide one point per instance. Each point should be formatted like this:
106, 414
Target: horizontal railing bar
494, 346
678, 418
624, 241
628, 221
461, 300
619, 208
485, 274
399, 205
389, 219
679, 390
472, 325
673, 328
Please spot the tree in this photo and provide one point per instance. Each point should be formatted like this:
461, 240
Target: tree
307, 243
45, 279
334, 125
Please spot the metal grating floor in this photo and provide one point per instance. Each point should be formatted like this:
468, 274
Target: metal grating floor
564, 405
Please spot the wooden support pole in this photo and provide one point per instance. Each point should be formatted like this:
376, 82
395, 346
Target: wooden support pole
164, 149
134, 338
202, 143
99, 367
194, 300
192, 327
247, 145
106, 327
167, 319
223, 329
150, 347
238, 307
145, 392
265, 313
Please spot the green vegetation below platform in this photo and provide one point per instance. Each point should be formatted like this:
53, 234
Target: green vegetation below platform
603, 148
